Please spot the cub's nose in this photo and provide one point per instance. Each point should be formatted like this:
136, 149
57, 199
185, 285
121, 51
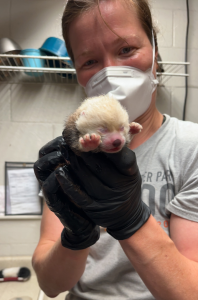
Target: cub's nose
117, 143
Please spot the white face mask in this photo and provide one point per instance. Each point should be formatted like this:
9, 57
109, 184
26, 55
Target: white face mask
131, 86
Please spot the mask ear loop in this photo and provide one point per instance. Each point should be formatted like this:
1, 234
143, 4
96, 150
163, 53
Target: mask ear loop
153, 44
155, 81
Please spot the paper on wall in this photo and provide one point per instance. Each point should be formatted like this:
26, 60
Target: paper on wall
22, 192
2, 200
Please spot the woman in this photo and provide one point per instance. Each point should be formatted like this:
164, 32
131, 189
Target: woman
135, 258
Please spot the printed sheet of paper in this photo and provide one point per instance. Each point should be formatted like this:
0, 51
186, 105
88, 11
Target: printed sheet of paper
22, 192
2, 200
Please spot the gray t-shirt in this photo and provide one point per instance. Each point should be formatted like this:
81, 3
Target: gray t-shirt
168, 163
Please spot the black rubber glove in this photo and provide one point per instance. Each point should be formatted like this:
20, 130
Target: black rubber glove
79, 231
110, 190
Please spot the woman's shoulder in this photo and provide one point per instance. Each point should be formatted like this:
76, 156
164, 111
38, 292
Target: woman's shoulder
182, 142
183, 131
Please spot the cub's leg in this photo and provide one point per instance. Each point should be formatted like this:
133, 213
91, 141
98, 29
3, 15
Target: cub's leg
135, 128
89, 142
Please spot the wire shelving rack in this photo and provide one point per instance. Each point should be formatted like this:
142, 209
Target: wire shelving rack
58, 70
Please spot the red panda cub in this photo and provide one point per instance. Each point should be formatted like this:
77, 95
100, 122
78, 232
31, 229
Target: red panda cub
99, 124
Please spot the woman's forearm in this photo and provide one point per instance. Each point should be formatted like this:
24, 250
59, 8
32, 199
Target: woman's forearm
57, 268
165, 271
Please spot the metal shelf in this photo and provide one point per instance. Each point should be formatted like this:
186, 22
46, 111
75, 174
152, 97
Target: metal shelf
57, 69
168, 65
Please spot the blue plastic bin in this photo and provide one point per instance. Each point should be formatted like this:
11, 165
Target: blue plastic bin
33, 62
56, 47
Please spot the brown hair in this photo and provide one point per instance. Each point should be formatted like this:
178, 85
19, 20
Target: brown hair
74, 8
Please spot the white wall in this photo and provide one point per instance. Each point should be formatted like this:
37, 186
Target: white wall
32, 114
171, 17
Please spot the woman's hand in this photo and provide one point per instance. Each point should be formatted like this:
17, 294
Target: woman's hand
108, 189
79, 231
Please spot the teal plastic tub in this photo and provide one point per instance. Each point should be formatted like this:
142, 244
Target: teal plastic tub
33, 62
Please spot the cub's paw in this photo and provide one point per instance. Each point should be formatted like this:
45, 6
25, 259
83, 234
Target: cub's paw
89, 142
135, 128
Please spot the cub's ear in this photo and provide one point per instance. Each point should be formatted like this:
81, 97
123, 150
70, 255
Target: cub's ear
83, 113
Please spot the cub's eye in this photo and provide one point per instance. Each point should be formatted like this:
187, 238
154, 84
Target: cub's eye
121, 128
103, 130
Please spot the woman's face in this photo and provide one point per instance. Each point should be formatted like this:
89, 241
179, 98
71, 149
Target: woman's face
95, 46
